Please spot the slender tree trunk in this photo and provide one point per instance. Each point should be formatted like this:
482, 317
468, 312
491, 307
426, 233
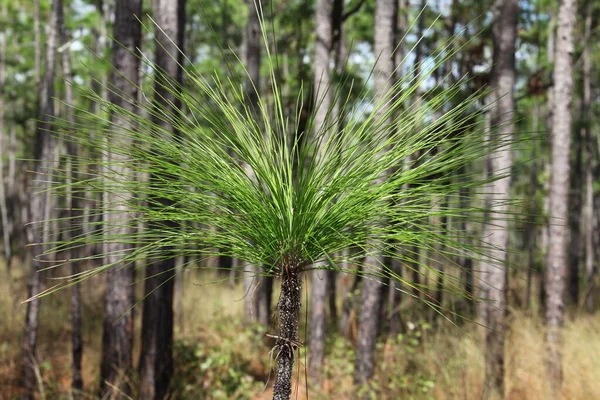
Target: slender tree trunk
323, 101
44, 154
117, 339
287, 343
531, 224
385, 27
349, 303
575, 212
3, 191
588, 137
75, 205
556, 264
37, 45
254, 284
504, 26
156, 358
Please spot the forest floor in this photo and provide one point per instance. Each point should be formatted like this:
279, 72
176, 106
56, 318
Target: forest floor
218, 358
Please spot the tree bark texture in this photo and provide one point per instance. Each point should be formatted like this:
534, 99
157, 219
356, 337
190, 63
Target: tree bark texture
556, 263
495, 276
156, 359
117, 339
385, 28
3, 190
588, 204
322, 94
287, 343
76, 205
43, 154
255, 285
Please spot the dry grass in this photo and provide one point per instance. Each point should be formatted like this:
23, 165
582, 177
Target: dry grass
445, 363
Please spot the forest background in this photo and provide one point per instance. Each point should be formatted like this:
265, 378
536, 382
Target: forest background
525, 330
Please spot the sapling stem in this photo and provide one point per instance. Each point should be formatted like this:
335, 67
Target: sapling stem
287, 341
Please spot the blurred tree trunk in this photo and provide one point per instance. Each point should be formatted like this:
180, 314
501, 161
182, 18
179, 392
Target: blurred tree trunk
43, 155
156, 358
385, 27
253, 281
556, 263
3, 190
117, 339
37, 45
323, 98
495, 270
394, 295
75, 205
588, 136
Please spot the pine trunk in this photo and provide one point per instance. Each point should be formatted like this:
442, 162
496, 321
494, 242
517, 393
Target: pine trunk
323, 101
117, 339
75, 205
286, 344
556, 263
385, 28
156, 358
44, 155
504, 28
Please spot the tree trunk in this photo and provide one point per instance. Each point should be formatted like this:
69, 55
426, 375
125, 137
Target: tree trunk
287, 343
322, 94
588, 137
556, 263
254, 284
76, 205
385, 27
43, 154
3, 203
156, 358
117, 339
504, 27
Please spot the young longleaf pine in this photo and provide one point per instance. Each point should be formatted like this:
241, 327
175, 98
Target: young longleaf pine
245, 182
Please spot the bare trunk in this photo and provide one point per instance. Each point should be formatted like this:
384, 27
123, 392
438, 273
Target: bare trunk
156, 359
75, 204
385, 27
254, 283
117, 339
556, 263
287, 343
323, 102
44, 154
504, 25
3, 136
588, 203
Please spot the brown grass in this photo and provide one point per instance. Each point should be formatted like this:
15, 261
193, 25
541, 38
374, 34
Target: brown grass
447, 360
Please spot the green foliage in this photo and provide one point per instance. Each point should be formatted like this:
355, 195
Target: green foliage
227, 364
246, 183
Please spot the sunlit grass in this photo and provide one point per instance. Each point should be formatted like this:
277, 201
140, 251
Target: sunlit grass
450, 359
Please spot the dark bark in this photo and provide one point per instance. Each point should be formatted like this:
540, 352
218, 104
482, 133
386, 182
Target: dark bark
76, 205
587, 212
43, 154
287, 343
264, 300
349, 303
332, 296
3, 191
556, 263
367, 325
117, 339
575, 199
156, 358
